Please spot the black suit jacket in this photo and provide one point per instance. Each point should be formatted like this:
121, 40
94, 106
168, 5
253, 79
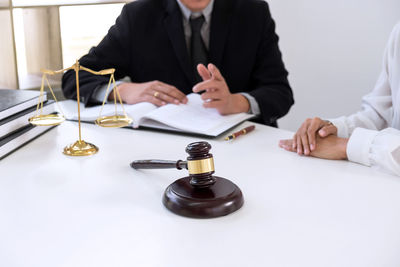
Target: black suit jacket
147, 43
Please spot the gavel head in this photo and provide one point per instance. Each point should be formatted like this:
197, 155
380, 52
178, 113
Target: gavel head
200, 164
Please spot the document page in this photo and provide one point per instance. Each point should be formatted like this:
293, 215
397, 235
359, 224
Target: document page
193, 117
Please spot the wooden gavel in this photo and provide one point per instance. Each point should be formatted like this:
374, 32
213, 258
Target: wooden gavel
200, 164
200, 195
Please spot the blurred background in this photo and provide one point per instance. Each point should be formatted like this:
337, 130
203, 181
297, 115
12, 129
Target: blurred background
332, 49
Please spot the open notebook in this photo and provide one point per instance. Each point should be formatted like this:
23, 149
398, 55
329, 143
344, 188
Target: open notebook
187, 118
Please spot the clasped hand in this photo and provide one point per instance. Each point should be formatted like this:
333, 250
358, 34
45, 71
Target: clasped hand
317, 138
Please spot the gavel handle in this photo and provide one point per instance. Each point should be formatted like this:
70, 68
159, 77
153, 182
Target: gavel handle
158, 164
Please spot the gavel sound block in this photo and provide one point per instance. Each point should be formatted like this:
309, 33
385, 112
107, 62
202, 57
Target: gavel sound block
200, 195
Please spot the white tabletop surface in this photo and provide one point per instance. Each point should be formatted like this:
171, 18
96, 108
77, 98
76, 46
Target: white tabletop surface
97, 211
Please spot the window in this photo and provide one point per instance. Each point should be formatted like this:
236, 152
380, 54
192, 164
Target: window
47, 34
78, 36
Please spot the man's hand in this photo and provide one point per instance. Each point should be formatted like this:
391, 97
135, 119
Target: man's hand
304, 141
330, 147
155, 92
217, 94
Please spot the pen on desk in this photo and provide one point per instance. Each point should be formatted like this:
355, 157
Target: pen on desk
241, 132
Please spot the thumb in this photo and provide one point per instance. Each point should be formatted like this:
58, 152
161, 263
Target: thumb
215, 72
327, 130
203, 72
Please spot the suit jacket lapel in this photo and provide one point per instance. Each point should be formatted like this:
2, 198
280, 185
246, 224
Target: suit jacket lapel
220, 25
174, 27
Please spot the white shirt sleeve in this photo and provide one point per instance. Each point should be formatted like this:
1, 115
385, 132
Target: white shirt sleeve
254, 107
371, 141
376, 110
377, 107
379, 149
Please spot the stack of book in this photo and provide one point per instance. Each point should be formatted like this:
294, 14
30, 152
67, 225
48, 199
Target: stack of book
16, 107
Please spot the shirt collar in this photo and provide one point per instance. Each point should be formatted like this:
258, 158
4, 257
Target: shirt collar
206, 11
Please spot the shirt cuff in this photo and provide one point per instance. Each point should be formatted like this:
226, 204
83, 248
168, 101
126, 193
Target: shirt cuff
340, 124
101, 90
254, 107
359, 145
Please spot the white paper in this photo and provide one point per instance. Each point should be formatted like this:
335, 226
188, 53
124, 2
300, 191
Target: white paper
193, 117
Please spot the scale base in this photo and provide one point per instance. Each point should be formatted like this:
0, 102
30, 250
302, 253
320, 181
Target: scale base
221, 198
80, 148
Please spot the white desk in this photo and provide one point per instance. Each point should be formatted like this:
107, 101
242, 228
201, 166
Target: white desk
97, 211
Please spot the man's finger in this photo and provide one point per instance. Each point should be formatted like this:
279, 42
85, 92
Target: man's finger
216, 74
211, 95
164, 97
327, 130
172, 92
212, 104
176, 93
203, 72
154, 100
208, 84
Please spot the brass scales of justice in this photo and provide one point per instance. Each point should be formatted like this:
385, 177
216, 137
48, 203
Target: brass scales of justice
80, 147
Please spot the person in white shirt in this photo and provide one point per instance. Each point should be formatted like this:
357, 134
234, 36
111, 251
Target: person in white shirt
370, 136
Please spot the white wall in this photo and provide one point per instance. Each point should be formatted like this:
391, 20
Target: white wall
333, 51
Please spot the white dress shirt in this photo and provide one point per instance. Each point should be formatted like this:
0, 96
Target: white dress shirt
375, 130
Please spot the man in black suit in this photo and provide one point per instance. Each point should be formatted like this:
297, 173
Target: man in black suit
227, 49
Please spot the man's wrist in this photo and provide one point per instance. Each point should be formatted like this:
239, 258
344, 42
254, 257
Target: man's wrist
254, 107
118, 88
240, 103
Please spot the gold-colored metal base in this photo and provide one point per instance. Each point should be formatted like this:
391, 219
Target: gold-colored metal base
80, 148
114, 121
46, 120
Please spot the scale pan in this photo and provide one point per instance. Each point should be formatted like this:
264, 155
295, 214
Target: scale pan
114, 121
47, 120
